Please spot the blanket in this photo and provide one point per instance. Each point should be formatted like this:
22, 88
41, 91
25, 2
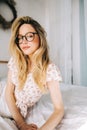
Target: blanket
75, 104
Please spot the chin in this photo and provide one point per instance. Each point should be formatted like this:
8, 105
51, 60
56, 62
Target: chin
27, 53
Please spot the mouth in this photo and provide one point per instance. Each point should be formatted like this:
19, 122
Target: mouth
25, 47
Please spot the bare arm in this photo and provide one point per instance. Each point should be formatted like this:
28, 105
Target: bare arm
10, 99
58, 113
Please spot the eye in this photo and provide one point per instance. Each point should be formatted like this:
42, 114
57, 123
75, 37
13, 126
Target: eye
30, 35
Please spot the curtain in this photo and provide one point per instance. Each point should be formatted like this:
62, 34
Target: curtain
58, 26
66, 25
83, 41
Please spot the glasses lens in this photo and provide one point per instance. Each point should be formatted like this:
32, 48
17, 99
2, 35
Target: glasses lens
30, 37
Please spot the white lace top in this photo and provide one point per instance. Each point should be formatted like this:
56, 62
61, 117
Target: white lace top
31, 93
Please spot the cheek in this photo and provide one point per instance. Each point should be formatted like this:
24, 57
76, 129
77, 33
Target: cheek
37, 45
37, 41
20, 46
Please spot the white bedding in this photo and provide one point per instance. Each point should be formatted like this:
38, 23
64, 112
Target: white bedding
75, 102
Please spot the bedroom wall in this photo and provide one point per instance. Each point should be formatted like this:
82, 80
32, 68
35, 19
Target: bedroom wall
29, 7
60, 18
52, 15
4, 39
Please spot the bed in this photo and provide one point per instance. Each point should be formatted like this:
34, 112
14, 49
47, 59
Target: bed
75, 103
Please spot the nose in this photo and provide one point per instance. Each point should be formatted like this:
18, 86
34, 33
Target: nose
24, 40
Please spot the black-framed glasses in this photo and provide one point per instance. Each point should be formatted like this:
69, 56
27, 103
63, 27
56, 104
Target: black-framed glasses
28, 36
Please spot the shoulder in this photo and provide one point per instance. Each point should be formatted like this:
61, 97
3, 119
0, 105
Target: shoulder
51, 66
53, 72
11, 63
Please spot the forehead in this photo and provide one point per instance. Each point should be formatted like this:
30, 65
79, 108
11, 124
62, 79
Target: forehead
26, 28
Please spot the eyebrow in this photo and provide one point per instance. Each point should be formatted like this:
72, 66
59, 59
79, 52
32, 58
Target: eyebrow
26, 33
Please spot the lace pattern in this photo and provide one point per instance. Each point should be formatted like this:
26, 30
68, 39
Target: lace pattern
30, 93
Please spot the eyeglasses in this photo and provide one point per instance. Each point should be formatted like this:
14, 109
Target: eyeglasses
28, 36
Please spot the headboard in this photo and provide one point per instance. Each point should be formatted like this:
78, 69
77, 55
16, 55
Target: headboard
3, 61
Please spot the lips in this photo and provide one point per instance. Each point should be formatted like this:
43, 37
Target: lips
25, 47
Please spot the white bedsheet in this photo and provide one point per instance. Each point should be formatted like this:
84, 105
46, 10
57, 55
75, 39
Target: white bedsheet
75, 102
83, 127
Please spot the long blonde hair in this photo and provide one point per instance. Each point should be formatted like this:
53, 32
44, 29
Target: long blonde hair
41, 56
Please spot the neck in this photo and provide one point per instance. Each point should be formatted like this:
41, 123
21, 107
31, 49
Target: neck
30, 65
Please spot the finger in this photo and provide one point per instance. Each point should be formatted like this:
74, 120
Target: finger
33, 125
34, 129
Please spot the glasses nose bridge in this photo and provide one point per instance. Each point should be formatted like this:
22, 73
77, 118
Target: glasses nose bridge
24, 38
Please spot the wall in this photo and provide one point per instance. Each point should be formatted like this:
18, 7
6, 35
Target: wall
55, 16
33, 8
60, 18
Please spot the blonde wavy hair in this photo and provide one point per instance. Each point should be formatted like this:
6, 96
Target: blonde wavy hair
41, 56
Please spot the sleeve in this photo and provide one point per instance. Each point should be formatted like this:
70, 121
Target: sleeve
14, 74
53, 73
11, 63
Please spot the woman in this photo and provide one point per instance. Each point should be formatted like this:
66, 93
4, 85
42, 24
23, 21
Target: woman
31, 74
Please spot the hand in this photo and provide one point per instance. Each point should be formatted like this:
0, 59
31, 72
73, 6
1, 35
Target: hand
28, 127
